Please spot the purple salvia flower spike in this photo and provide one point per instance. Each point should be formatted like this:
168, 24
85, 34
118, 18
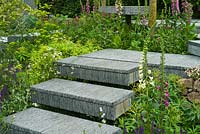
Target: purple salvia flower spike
141, 130
152, 128
136, 131
177, 6
181, 131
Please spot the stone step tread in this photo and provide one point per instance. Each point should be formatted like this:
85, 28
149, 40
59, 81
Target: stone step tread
171, 60
98, 64
198, 36
126, 10
82, 97
194, 42
101, 70
84, 91
120, 67
38, 121
194, 47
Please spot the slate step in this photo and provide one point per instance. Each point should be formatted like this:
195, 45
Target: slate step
83, 97
174, 63
101, 70
120, 67
126, 10
194, 47
198, 36
38, 121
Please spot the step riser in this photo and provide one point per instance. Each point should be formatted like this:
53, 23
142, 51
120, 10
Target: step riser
82, 97
37, 121
194, 47
124, 79
88, 108
171, 70
114, 70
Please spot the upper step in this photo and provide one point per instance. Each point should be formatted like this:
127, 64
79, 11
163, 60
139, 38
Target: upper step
38, 121
101, 70
120, 67
194, 47
83, 97
126, 10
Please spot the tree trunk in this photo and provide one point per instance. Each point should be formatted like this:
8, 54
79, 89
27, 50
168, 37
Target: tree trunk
128, 17
153, 13
103, 2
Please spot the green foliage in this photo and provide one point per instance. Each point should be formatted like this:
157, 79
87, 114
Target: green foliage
11, 16
158, 103
112, 32
29, 65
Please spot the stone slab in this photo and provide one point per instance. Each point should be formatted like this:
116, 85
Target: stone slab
83, 97
194, 47
101, 70
38, 121
126, 10
198, 36
31, 3
17, 37
173, 62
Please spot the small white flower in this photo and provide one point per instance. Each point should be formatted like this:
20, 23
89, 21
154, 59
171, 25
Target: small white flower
100, 109
152, 83
72, 67
149, 71
151, 78
103, 115
103, 121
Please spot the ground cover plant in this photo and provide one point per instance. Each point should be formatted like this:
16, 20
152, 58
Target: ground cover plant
27, 62
159, 106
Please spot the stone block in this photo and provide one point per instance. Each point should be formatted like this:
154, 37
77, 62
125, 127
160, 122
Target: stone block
194, 97
187, 83
100, 70
38, 121
126, 10
194, 47
174, 63
31, 3
82, 97
197, 85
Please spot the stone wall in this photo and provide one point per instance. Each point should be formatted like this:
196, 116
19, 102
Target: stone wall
192, 89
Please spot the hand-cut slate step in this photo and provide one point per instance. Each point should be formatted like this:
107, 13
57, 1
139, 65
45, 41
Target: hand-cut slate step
83, 97
38, 121
101, 70
194, 47
126, 10
174, 63
198, 36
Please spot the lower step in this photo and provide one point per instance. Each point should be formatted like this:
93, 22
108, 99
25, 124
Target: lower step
38, 121
83, 98
194, 47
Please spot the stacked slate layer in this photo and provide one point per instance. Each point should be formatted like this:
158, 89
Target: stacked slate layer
101, 70
83, 97
38, 121
105, 65
126, 10
194, 47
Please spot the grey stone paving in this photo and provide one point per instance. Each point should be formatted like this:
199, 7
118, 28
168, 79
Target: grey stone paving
120, 67
173, 62
198, 36
102, 70
82, 97
31, 3
194, 47
126, 10
37, 121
